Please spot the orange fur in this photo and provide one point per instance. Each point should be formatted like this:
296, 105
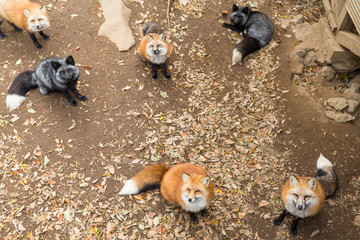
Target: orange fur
151, 175
172, 185
13, 11
302, 185
144, 42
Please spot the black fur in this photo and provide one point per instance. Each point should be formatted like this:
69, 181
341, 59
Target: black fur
149, 187
22, 83
277, 221
250, 24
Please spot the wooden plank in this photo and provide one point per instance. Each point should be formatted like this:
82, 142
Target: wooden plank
331, 17
353, 8
336, 6
345, 23
349, 40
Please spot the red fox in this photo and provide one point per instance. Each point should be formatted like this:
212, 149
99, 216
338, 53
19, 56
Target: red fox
304, 196
185, 185
155, 49
23, 14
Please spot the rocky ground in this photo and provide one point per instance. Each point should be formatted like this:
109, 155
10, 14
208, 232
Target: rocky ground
250, 126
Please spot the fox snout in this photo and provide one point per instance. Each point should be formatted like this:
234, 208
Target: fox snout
300, 207
191, 200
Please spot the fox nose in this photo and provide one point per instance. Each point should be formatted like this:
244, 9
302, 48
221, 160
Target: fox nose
190, 199
38, 26
300, 207
156, 51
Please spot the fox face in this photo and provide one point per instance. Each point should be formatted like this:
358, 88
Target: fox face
66, 71
239, 16
302, 198
156, 48
194, 191
36, 19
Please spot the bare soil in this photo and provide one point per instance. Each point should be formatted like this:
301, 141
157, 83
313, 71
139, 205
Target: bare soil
94, 147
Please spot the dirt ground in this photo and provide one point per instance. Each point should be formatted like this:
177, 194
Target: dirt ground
250, 126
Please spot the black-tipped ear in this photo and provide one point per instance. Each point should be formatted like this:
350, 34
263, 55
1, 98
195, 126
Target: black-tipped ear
235, 8
55, 65
246, 10
70, 60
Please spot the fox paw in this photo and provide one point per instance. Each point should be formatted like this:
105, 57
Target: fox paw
168, 77
225, 25
3, 36
154, 77
194, 218
293, 231
277, 221
82, 97
73, 102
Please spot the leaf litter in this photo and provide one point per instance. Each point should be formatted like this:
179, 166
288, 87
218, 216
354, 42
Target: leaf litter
224, 125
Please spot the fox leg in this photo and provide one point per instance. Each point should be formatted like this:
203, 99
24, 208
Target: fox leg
35, 41
70, 99
17, 29
154, 71
277, 221
2, 35
163, 69
78, 95
43, 91
204, 212
293, 228
232, 27
193, 217
46, 37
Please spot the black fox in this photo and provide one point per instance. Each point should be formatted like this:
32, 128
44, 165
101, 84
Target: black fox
256, 28
52, 74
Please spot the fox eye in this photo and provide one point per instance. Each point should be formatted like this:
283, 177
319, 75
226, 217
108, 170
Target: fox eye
197, 191
307, 197
188, 189
158, 46
40, 20
33, 21
296, 196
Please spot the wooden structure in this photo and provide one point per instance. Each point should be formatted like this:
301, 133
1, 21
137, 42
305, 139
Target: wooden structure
344, 20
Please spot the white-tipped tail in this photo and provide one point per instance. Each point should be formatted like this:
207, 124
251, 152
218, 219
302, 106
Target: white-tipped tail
13, 101
323, 162
237, 57
129, 188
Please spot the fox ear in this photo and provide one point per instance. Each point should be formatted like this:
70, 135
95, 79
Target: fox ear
70, 60
312, 183
149, 38
293, 181
55, 65
206, 181
26, 12
43, 9
162, 37
185, 177
246, 10
235, 8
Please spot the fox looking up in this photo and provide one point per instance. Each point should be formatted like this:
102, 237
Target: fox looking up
185, 185
23, 14
155, 49
304, 196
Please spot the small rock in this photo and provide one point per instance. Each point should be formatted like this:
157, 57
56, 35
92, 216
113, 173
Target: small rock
337, 103
299, 19
295, 64
339, 117
285, 25
353, 91
301, 53
353, 105
357, 221
314, 233
328, 73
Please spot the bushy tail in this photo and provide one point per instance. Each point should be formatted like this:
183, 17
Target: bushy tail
22, 84
147, 179
245, 47
327, 176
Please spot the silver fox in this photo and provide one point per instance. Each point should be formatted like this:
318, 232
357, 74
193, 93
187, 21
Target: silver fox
52, 74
